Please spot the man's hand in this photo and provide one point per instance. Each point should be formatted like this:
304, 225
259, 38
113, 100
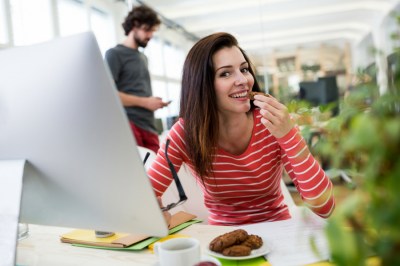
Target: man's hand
149, 103
154, 103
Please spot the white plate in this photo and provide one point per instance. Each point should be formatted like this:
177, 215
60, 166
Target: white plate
263, 250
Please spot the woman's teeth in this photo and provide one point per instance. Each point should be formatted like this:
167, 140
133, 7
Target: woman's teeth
239, 95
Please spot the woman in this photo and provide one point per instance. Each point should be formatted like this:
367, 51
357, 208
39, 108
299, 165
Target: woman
236, 148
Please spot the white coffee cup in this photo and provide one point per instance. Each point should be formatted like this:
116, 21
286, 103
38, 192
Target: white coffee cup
178, 252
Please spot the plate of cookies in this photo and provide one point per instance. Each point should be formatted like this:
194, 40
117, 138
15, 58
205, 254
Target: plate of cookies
237, 245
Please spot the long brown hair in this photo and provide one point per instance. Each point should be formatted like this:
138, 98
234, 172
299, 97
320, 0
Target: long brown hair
198, 105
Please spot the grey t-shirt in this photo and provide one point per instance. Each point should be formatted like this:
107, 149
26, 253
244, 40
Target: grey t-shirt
130, 71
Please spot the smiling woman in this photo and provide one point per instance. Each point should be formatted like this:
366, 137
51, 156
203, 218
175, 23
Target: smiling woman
237, 148
232, 79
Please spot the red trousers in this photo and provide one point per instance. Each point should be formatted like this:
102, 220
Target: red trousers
145, 138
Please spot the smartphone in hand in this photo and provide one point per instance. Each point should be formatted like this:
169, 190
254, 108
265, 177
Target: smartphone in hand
167, 103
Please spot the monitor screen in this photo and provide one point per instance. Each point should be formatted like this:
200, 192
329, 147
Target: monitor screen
330, 90
60, 111
322, 92
309, 91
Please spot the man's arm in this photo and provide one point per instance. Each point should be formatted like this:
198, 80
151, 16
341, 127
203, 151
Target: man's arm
149, 103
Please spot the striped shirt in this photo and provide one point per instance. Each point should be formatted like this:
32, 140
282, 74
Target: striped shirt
245, 188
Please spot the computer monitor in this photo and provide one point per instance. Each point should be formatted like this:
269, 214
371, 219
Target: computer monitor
60, 111
309, 91
321, 92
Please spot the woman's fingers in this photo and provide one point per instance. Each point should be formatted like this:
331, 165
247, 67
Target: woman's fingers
167, 214
160, 202
276, 116
167, 217
271, 102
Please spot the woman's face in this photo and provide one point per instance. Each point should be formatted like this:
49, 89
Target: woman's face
232, 81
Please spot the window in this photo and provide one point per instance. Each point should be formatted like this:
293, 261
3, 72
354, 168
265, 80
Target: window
165, 66
103, 27
3, 25
174, 94
160, 90
72, 17
35, 21
154, 53
174, 58
167, 91
31, 21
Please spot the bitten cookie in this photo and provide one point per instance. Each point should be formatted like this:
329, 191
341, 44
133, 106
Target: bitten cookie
252, 93
253, 242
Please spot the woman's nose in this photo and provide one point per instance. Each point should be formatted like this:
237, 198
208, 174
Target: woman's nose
240, 79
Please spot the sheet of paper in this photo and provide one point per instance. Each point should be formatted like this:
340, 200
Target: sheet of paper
290, 240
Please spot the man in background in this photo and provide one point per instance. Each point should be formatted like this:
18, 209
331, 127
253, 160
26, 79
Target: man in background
129, 68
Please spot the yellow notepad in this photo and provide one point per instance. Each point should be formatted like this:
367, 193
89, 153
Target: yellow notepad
118, 240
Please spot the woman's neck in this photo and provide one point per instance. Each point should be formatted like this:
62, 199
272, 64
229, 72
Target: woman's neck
235, 133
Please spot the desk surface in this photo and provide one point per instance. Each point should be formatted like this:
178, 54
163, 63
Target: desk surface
43, 247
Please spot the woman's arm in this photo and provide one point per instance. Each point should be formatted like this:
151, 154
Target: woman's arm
159, 172
314, 186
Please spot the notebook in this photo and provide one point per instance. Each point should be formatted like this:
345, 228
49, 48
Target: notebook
123, 241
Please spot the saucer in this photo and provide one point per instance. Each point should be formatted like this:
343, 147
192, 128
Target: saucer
210, 259
204, 258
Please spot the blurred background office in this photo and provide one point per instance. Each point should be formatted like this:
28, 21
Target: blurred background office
293, 43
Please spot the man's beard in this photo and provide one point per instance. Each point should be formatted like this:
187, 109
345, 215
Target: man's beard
141, 43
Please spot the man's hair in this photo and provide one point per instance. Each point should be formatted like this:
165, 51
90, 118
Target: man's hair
140, 15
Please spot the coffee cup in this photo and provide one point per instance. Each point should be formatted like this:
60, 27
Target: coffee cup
178, 252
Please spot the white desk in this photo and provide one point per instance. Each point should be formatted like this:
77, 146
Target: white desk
288, 242
43, 247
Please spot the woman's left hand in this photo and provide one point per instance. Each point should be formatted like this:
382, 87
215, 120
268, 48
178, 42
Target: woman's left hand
166, 214
276, 116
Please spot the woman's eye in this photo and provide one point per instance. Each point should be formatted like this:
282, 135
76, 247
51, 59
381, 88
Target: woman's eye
224, 74
245, 70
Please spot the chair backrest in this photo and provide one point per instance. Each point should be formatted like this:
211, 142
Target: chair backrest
295, 210
143, 151
194, 204
288, 197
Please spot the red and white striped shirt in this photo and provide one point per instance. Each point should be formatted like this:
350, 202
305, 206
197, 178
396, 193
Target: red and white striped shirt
246, 188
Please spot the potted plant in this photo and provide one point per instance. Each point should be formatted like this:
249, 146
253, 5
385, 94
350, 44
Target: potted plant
365, 138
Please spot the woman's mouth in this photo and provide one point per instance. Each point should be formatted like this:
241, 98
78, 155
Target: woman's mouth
239, 95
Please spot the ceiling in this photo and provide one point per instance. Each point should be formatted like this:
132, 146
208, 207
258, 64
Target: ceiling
266, 25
